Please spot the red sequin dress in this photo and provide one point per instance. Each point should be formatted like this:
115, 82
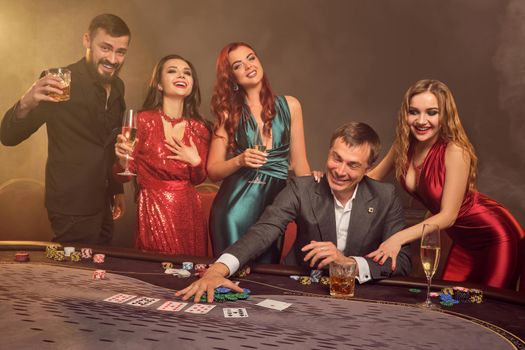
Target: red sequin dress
170, 215
488, 240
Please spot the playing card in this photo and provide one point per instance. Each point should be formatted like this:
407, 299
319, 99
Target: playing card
172, 306
143, 301
274, 304
200, 308
235, 312
120, 298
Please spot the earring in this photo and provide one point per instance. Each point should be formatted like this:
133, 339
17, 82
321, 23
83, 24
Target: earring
235, 87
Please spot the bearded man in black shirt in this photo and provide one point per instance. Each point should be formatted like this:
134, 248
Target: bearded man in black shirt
82, 197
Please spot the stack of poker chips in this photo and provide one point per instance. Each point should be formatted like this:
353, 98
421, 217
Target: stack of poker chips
447, 300
87, 253
51, 249
166, 265
316, 276
455, 295
75, 256
53, 252
223, 294
59, 255
200, 269
187, 265
242, 272
476, 296
22, 256
68, 251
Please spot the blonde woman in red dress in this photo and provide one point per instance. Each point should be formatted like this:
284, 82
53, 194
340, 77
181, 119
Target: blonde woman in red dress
169, 159
436, 163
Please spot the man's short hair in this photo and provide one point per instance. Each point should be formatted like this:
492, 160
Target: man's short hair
356, 134
113, 25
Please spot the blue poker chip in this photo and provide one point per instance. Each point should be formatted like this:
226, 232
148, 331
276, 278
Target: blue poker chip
223, 290
246, 291
448, 299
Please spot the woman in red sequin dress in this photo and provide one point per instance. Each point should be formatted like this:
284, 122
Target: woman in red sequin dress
435, 163
169, 159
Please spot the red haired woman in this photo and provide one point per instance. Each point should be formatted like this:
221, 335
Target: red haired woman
435, 162
257, 137
169, 160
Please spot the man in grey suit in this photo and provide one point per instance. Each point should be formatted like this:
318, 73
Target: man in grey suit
343, 217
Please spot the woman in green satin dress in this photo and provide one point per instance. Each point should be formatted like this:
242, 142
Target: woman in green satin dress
248, 115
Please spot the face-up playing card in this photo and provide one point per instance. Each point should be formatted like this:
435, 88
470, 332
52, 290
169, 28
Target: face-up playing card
234, 312
120, 298
200, 308
274, 304
172, 306
143, 301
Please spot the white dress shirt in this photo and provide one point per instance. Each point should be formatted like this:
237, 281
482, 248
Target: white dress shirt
342, 220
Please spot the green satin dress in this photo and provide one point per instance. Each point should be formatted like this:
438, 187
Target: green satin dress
239, 203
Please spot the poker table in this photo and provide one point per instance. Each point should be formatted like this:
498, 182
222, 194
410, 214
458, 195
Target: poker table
47, 304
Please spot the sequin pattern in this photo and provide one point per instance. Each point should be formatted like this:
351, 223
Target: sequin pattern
170, 216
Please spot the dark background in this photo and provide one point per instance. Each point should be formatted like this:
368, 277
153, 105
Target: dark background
343, 59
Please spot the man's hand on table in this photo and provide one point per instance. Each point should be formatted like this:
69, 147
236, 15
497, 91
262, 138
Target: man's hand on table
324, 253
214, 277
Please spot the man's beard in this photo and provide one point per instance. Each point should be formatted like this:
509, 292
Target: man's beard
103, 78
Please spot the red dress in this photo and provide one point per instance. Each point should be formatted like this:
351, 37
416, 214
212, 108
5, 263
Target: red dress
488, 240
170, 215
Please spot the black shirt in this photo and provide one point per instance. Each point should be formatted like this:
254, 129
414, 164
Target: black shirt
81, 138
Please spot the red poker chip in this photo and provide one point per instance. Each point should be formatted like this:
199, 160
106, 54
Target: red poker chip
22, 256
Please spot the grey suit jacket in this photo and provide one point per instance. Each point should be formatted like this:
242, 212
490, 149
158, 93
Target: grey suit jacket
376, 215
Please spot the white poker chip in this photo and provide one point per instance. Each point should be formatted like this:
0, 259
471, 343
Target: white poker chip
178, 272
68, 250
182, 273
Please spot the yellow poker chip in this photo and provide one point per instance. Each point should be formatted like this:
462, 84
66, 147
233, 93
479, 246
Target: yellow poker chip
75, 257
305, 280
167, 265
448, 291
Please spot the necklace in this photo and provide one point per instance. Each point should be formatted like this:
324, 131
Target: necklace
172, 121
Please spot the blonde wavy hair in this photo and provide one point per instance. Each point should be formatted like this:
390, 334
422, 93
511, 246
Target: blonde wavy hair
451, 129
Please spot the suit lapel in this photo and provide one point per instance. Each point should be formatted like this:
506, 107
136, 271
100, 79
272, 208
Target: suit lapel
323, 210
363, 212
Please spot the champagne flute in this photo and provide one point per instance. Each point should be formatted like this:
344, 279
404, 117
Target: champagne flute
259, 145
430, 251
129, 130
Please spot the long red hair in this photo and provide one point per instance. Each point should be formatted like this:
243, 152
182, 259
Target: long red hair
227, 103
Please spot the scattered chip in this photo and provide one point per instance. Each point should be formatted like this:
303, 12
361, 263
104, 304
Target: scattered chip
22, 256
98, 258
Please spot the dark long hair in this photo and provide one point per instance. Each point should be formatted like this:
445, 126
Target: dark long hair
191, 102
229, 102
